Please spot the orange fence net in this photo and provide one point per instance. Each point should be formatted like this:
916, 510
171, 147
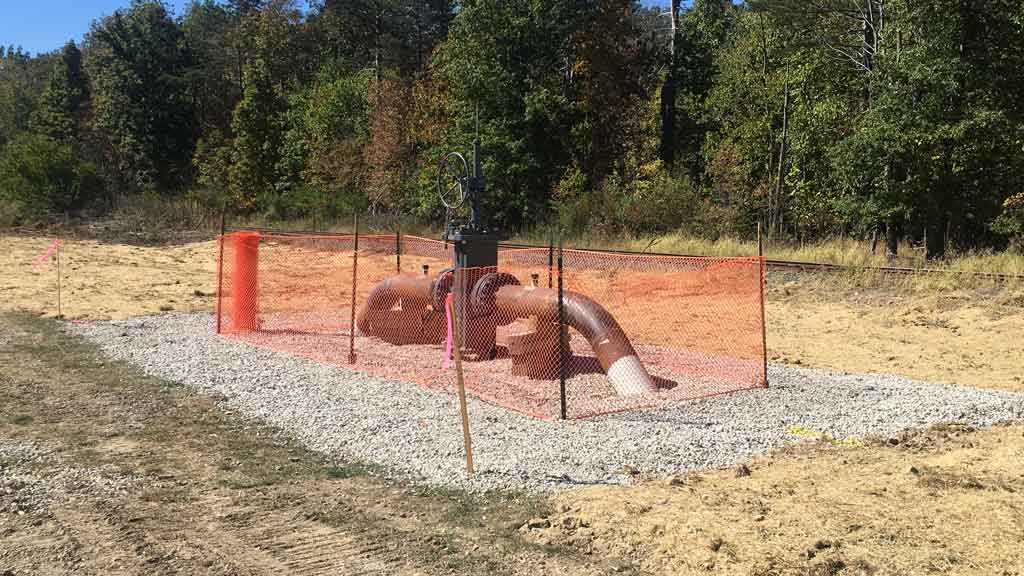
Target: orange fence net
626, 331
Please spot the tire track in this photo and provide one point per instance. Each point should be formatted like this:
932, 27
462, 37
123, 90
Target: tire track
305, 548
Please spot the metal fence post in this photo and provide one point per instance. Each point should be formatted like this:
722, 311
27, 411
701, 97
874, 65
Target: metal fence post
398, 248
761, 288
60, 312
352, 312
551, 254
220, 267
561, 332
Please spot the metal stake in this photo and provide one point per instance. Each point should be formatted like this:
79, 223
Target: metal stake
561, 332
551, 255
398, 248
60, 313
220, 268
761, 287
352, 312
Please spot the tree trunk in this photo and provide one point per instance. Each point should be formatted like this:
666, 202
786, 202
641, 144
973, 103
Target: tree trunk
935, 239
892, 238
775, 226
668, 98
668, 122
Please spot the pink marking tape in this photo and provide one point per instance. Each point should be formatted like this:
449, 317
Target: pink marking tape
49, 252
449, 347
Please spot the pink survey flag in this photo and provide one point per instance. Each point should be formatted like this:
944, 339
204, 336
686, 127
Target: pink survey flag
449, 345
49, 252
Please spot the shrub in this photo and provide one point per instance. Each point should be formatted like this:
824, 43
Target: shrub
1011, 221
39, 176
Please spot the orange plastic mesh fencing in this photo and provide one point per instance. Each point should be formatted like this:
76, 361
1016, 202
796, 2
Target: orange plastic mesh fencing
636, 331
695, 325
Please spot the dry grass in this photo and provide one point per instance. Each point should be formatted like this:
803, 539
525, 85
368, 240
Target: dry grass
841, 251
962, 335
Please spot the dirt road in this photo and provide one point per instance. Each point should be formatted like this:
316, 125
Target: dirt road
104, 471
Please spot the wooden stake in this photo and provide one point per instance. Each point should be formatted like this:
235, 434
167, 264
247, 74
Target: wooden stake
457, 340
60, 313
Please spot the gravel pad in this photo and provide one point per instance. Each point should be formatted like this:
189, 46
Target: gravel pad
417, 432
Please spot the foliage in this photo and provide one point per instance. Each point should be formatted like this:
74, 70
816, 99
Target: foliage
846, 117
40, 176
62, 105
136, 62
22, 81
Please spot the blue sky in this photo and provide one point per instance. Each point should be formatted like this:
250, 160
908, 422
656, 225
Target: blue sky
45, 25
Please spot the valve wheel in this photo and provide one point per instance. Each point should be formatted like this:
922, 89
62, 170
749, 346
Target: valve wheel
482, 295
441, 287
452, 180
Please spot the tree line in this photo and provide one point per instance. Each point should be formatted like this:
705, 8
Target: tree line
888, 119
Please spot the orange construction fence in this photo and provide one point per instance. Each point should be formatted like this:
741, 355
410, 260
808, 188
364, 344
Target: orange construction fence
573, 334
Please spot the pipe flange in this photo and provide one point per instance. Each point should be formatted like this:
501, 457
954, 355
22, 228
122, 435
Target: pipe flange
481, 298
441, 287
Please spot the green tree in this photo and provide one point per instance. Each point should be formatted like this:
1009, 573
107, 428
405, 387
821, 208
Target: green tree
337, 127
137, 61
22, 81
41, 176
62, 105
258, 136
512, 62
208, 31
274, 68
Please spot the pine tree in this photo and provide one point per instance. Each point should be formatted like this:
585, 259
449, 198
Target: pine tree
62, 104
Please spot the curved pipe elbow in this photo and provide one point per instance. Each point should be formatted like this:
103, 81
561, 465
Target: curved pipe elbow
611, 346
389, 292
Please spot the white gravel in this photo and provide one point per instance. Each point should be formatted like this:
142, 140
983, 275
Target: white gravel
417, 434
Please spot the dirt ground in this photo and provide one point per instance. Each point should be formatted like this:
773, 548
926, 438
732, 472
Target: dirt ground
135, 477
944, 501
106, 472
961, 338
968, 338
106, 280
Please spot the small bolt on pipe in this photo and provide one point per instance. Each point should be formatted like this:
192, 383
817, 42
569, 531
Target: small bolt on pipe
426, 269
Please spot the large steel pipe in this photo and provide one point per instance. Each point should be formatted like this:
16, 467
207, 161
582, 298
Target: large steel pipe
612, 347
409, 290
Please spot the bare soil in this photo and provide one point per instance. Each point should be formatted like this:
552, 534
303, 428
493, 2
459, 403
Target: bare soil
942, 501
106, 280
959, 337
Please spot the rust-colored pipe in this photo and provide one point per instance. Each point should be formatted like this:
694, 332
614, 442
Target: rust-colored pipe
611, 345
410, 289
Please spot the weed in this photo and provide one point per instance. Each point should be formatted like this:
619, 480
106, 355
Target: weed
22, 420
345, 471
804, 432
243, 482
